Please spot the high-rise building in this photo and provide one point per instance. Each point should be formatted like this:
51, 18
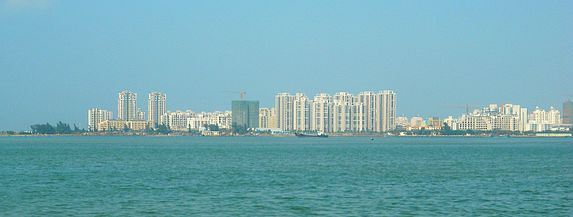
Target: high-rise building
379, 110
267, 118
568, 112
320, 113
523, 120
127, 106
245, 113
96, 116
368, 101
284, 108
301, 112
367, 112
156, 108
342, 112
386, 111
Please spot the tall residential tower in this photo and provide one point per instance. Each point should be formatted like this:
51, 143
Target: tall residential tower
156, 108
127, 106
96, 116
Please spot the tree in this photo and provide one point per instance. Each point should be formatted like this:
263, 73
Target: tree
43, 129
78, 130
62, 128
211, 127
163, 129
125, 128
240, 129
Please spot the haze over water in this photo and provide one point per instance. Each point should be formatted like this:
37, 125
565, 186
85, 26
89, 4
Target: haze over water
247, 176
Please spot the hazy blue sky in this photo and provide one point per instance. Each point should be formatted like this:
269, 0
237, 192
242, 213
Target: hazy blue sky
59, 58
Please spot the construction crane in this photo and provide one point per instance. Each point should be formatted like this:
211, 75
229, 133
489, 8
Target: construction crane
241, 93
467, 107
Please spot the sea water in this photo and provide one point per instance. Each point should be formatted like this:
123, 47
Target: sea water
285, 176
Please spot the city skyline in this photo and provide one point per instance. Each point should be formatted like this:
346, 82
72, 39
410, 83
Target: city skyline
64, 57
341, 112
126, 97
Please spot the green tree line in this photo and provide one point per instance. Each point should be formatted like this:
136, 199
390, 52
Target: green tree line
59, 128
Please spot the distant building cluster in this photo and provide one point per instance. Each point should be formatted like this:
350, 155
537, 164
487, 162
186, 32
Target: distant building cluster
342, 112
365, 112
189, 120
131, 117
494, 117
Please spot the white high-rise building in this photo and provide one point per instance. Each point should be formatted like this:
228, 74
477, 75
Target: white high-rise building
379, 110
127, 106
358, 114
367, 112
156, 108
523, 120
301, 112
96, 116
368, 101
342, 112
140, 114
386, 111
284, 108
320, 113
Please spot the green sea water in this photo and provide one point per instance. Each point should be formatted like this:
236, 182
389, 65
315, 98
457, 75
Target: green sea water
263, 176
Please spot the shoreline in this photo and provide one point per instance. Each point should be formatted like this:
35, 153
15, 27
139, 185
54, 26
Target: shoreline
565, 135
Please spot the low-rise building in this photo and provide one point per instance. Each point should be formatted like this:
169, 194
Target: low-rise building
116, 125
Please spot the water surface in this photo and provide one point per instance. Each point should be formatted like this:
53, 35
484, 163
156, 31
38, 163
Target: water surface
230, 176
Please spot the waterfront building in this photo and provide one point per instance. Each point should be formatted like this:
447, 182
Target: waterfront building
475, 122
342, 112
267, 118
379, 110
568, 112
434, 123
301, 112
451, 122
178, 120
523, 117
542, 120
95, 116
245, 113
368, 101
417, 123
387, 111
198, 121
140, 114
127, 106
510, 117
118, 125
156, 108
284, 108
402, 122
357, 116
320, 113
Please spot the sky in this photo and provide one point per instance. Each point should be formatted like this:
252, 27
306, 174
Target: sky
59, 58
